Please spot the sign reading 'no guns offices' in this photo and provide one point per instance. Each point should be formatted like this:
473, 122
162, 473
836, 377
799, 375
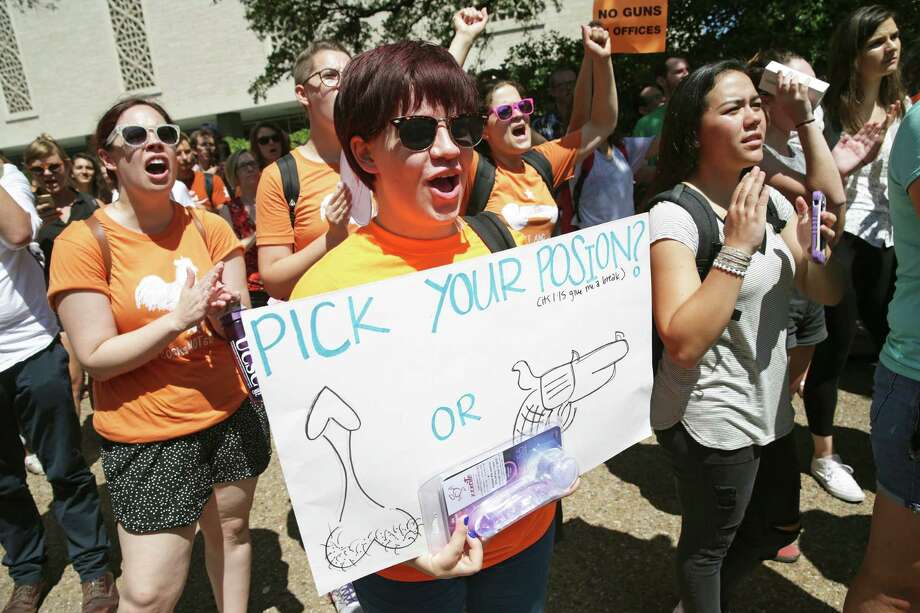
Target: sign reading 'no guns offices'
373, 389
635, 26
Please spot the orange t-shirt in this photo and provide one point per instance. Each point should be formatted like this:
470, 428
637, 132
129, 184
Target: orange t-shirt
318, 182
372, 254
193, 383
522, 198
219, 194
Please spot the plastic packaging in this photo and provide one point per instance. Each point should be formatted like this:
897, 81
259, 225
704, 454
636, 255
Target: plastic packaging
497, 488
232, 322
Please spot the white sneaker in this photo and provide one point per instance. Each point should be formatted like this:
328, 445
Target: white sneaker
33, 465
837, 478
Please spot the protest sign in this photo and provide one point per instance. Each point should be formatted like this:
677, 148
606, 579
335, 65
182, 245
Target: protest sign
635, 26
373, 389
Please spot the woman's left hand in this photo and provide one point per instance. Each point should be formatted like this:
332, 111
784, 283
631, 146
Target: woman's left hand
596, 41
461, 557
803, 227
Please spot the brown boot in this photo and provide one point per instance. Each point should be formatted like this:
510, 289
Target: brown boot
26, 597
100, 595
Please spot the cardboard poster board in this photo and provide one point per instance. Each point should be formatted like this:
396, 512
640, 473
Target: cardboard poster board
635, 26
372, 390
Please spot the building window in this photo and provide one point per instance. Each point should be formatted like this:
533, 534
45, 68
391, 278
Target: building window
12, 76
131, 39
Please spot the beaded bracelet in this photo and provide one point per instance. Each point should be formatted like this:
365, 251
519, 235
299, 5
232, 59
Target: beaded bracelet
733, 261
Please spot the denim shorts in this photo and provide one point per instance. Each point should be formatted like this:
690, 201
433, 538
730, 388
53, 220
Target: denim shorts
895, 419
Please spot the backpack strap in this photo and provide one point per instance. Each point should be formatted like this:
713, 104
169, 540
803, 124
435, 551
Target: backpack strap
290, 182
538, 162
198, 226
99, 234
209, 187
483, 183
492, 230
707, 224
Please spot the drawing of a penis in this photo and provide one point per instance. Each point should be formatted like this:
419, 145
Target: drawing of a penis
350, 540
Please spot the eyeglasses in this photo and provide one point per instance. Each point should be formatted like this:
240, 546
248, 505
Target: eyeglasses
417, 132
506, 111
327, 76
248, 165
271, 138
39, 169
138, 136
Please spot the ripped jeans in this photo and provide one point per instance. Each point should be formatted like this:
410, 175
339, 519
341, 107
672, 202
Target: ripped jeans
732, 503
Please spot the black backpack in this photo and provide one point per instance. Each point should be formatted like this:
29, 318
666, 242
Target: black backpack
485, 179
492, 230
707, 226
290, 182
209, 187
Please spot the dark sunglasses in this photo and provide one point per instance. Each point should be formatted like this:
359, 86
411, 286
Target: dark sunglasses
417, 132
264, 140
39, 169
136, 136
506, 111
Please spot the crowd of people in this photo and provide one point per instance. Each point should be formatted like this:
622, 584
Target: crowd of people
118, 264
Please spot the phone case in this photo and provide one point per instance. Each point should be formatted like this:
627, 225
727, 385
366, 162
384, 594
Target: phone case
818, 206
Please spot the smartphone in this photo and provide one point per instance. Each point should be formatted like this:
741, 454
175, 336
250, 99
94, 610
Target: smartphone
818, 206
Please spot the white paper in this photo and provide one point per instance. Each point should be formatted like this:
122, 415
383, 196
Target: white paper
361, 197
372, 390
768, 81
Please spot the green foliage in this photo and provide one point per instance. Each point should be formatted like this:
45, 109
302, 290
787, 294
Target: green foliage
291, 25
704, 31
531, 62
236, 144
708, 30
300, 137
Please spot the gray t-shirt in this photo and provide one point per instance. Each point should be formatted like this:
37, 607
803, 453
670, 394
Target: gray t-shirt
737, 395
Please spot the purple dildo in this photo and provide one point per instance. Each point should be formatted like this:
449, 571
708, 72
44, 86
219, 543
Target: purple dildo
545, 479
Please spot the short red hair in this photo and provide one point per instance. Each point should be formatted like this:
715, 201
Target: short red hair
393, 80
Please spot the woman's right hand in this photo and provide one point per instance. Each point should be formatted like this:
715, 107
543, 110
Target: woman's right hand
44, 206
461, 557
197, 300
792, 96
746, 218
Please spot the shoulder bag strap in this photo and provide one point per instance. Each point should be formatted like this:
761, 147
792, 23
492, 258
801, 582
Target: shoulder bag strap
99, 233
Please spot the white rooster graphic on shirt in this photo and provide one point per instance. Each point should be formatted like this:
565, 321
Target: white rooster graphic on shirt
155, 294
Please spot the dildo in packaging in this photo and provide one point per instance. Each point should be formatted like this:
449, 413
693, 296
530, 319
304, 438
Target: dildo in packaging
496, 488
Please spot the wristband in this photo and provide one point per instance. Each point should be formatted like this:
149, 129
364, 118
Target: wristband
804, 123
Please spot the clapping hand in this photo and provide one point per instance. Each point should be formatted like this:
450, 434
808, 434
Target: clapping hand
209, 296
746, 218
853, 152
